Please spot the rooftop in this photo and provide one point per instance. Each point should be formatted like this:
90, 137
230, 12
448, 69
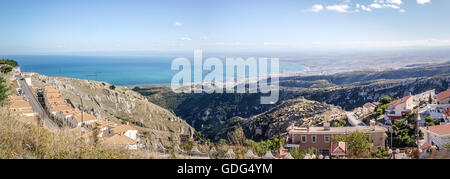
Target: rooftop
400, 101
338, 148
443, 95
119, 140
122, 128
336, 130
439, 129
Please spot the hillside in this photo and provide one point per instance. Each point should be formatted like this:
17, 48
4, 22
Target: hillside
346, 90
300, 112
119, 104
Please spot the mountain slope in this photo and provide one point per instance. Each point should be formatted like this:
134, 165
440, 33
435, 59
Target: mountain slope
120, 105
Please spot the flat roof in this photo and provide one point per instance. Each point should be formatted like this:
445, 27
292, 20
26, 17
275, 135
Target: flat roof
336, 130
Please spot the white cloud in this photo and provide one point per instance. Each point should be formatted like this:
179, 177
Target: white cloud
203, 38
402, 10
391, 6
423, 1
185, 38
178, 24
365, 8
338, 8
317, 8
375, 5
398, 2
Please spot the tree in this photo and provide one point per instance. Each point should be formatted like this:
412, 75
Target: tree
9, 62
358, 143
6, 68
297, 154
431, 122
430, 99
405, 131
112, 87
386, 100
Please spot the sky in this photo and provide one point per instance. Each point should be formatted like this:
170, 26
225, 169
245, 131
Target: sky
166, 26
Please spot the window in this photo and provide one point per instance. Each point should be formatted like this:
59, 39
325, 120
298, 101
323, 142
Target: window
313, 139
326, 139
303, 139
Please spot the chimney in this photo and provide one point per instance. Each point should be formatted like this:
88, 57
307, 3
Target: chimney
307, 128
372, 125
326, 126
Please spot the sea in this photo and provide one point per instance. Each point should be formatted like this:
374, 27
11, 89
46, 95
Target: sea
117, 70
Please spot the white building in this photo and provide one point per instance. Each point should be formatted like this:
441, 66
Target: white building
443, 98
437, 135
399, 108
126, 130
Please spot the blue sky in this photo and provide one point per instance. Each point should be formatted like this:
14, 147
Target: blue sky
133, 26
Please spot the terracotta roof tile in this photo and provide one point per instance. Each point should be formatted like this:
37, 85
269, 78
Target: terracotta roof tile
400, 101
439, 129
443, 95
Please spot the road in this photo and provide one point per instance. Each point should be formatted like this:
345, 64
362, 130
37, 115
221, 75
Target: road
352, 119
37, 107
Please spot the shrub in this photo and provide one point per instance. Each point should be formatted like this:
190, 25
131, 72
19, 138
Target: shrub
112, 87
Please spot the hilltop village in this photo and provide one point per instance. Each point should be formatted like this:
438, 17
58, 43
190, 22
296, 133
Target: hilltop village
414, 126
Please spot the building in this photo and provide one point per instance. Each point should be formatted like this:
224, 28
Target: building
399, 108
320, 137
437, 135
21, 109
62, 111
443, 98
120, 141
338, 149
368, 108
447, 115
425, 96
126, 130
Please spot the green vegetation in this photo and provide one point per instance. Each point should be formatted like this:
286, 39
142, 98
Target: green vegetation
432, 122
340, 123
237, 136
386, 100
404, 132
260, 148
380, 153
6, 68
9, 62
4, 88
381, 109
297, 154
358, 143
112, 87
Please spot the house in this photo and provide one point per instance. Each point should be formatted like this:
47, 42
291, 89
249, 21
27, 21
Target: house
437, 135
126, 130
105, 127
443, 98
424, 96
118, 140
62, 111
447, 115
368, 108
399, 108
22, 110
338, 149
320, 137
